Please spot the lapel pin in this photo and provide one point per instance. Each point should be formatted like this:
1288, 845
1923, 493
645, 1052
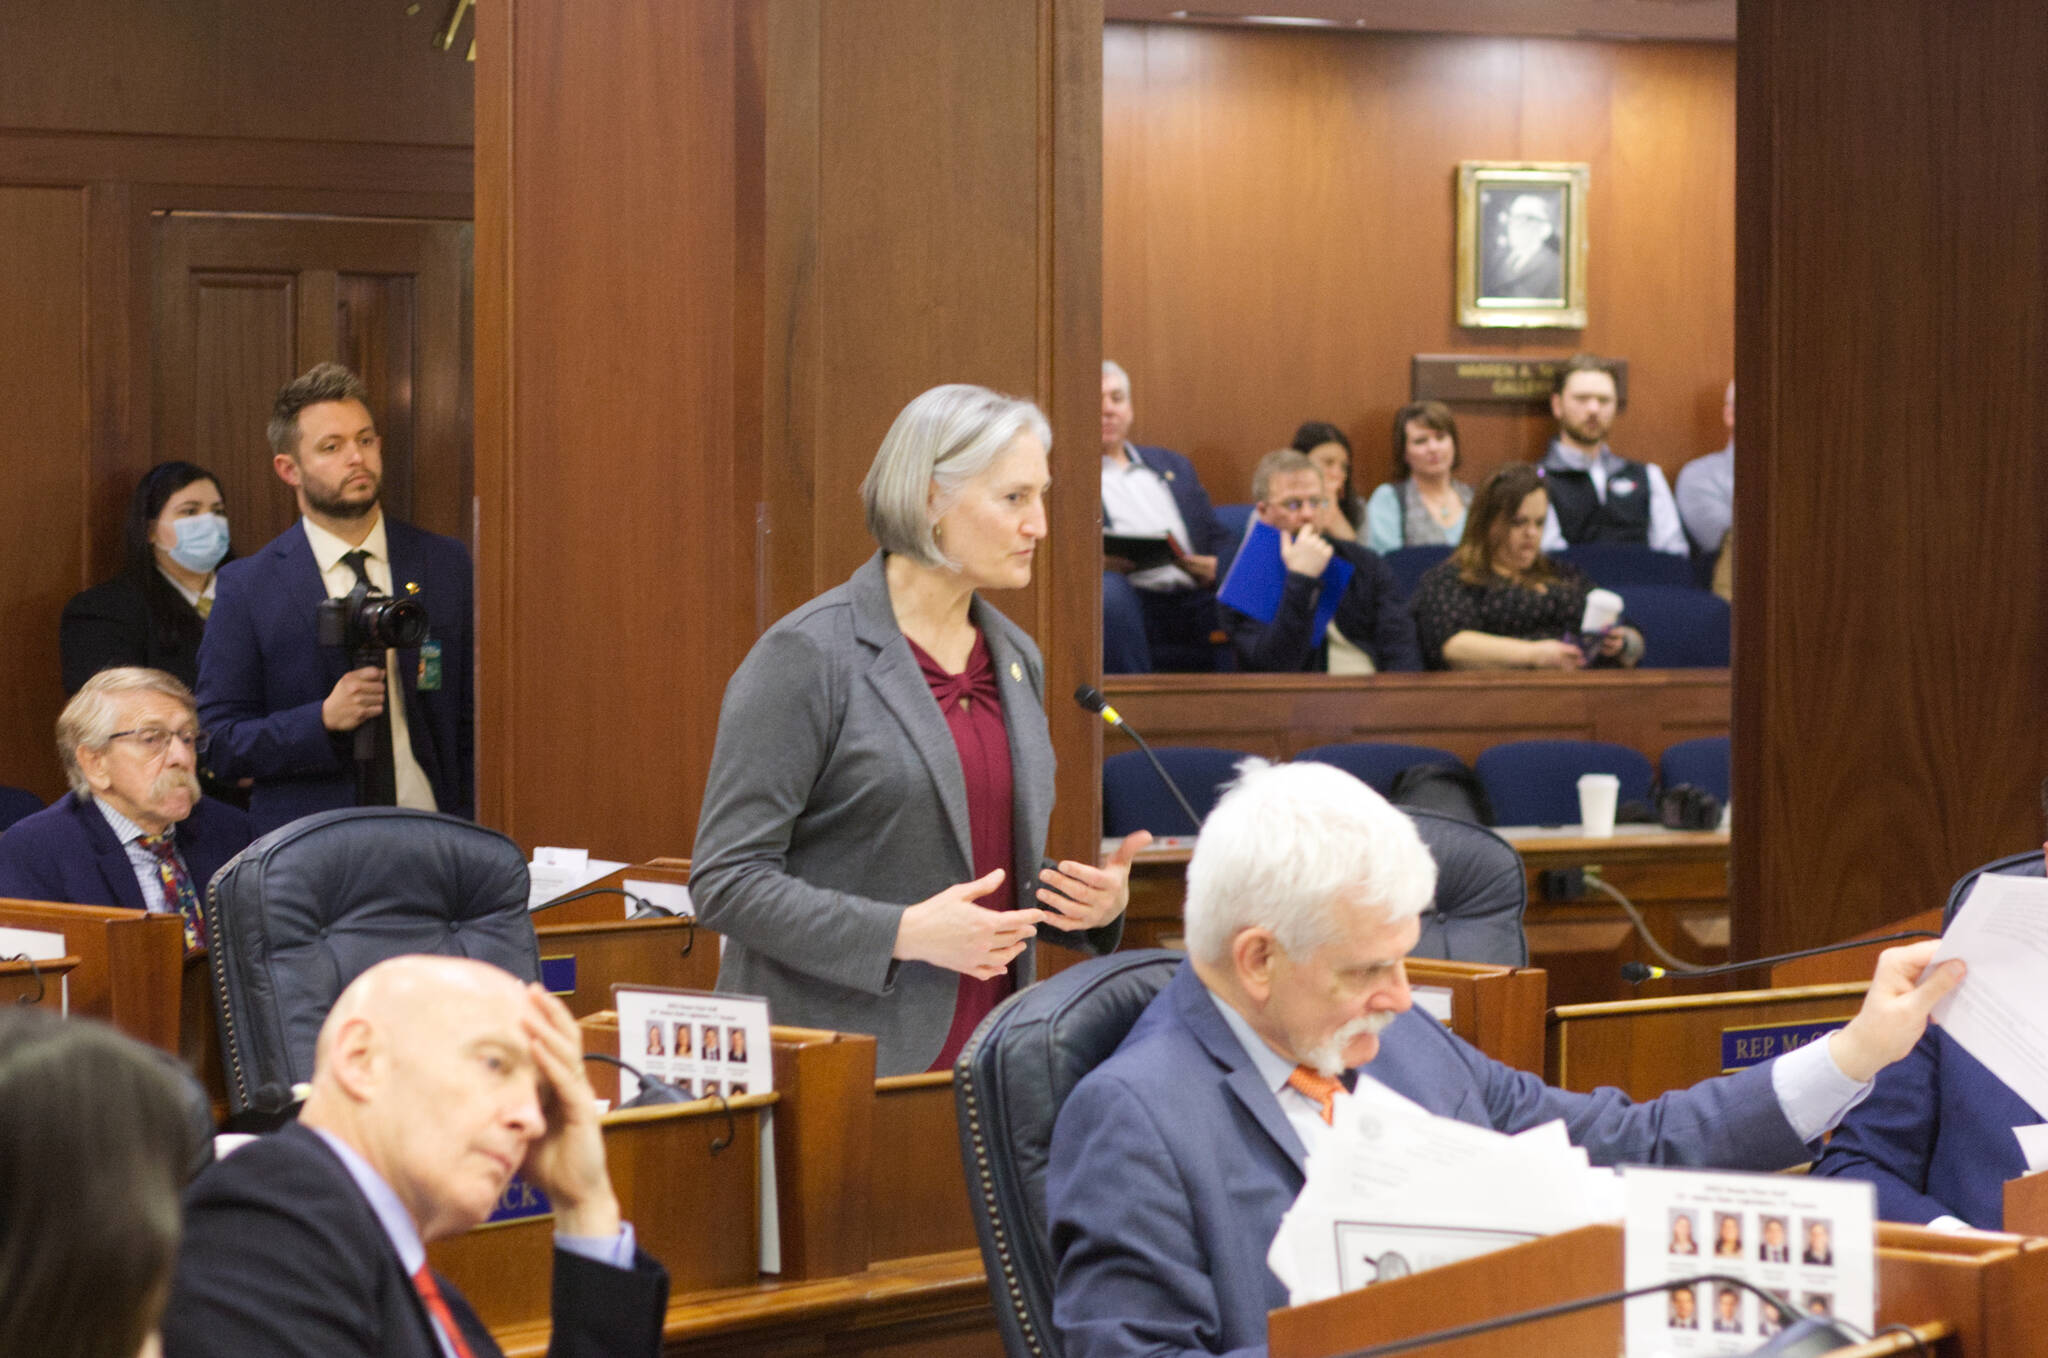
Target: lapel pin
1016, 671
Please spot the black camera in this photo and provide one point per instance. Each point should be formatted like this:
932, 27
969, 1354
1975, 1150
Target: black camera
367, 623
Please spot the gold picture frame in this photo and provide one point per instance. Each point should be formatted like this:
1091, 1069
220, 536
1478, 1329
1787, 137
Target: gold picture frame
1522, 244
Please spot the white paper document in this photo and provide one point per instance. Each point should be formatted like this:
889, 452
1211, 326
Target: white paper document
1395, 1190
1808, 1245
2000, 1011
557, 872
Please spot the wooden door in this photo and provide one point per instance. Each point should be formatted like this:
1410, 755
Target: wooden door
244, 302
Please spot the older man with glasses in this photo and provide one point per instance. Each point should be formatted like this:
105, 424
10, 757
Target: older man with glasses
1370, 631
134, 830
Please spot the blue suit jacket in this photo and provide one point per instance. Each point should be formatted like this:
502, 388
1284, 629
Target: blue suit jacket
263, 676
67, 852
1172, 1164
1935, 1136
1208, 532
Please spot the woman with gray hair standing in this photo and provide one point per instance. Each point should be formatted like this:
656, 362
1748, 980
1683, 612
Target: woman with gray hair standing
883, 780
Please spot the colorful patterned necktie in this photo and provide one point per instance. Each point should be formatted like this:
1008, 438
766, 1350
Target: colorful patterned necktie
1319, 1087
437, 1307
177, 884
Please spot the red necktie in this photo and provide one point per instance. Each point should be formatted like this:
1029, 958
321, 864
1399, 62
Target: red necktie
1319, 1087
437, 1307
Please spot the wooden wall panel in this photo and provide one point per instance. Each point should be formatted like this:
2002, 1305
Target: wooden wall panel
43, 447
1279, 228
1893, 306
828, 208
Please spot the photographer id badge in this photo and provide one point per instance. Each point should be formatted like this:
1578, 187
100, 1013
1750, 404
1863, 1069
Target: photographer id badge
430, 666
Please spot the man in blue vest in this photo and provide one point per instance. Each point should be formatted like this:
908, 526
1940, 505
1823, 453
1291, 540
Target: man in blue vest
1596, 495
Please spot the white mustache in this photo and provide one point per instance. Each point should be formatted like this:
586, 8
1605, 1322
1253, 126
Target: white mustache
1328, 1056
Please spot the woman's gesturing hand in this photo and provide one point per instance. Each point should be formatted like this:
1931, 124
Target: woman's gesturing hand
950, 930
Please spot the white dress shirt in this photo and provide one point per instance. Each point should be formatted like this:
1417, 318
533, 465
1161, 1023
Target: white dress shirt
413, 788
1136, 499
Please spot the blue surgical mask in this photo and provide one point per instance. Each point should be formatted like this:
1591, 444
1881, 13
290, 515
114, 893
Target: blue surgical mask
202, 541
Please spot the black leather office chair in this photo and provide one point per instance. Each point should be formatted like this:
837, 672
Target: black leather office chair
2026, 864
1008, 1085
1482, 892
306, 909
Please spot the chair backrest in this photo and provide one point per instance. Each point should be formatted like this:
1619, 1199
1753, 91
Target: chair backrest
309, 907
1234, 518
1008, 1085
1702, 762
2026, 864
1481, 893
1409, 564
1683, 628
1133, 798
16, 803
1622, 566
1377, 763
1536, 782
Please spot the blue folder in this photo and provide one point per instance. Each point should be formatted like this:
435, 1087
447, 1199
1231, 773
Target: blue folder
1258, 578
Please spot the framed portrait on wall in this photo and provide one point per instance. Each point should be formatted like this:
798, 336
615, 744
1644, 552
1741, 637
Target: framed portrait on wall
1522, 244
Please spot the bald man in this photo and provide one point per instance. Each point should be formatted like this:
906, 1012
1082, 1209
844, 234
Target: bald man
435, 1079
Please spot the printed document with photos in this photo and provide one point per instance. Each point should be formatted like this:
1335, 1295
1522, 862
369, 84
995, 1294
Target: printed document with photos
1395, 1189
1809, 1243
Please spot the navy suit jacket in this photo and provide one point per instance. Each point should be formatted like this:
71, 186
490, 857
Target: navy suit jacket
1209, 534
1935, 1136
67, 852
263, 676
284, 1256
1372, 615
1172, 1164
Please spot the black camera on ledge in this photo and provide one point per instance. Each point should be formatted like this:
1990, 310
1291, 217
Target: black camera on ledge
368, 623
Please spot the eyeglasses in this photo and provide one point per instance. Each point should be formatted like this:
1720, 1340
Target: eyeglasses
1295, 506
154, 740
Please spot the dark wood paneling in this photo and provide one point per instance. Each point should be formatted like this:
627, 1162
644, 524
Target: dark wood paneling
43, 446
1279, 230
234, 69
1893, 305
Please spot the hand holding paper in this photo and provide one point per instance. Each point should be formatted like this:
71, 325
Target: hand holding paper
1904, 991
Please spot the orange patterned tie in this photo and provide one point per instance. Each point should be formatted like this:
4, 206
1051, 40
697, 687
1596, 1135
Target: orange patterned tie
437, 1307
1319, 1087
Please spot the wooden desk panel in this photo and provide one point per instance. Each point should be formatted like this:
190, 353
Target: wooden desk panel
1499, 1010
1646, 1047
1853, 964
130, 964
41, 984
670, 953
1279, 715
918, 1190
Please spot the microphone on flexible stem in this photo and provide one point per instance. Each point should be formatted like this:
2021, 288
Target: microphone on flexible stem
1091, 698
1637, 972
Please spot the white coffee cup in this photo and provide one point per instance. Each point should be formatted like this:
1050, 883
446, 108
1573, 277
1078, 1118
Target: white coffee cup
1597, 794
1603, 610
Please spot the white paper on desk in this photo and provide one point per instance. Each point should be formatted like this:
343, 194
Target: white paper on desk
37, 945
2034, 1145
2000, 1011
557, 872
1396, 1190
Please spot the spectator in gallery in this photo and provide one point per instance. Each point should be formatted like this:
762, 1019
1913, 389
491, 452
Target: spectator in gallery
1706, 488
1597, 495
1499, 602
1371, 631
151, 614
1423, 505
1524, 260
1161, 617
1342, 516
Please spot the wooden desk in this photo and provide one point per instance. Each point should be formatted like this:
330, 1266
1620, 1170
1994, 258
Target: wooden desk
602, 948
41, 984
1280, 715
1974, 1296
1499, 1010
1646, 1047
917, 1184
130, 968
1853, 964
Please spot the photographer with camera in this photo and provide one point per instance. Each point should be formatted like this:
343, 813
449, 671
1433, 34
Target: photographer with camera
336, 666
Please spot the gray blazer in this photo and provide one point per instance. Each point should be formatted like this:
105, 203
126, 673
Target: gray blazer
836, 799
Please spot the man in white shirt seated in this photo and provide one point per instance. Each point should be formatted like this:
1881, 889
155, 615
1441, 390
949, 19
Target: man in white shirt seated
1706, 488
1596, 495
1160, 618
1173, 1162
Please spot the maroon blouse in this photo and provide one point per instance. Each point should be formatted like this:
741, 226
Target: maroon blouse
972, 703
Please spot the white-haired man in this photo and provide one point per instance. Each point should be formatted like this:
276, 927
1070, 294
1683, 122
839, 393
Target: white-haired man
1173, 1162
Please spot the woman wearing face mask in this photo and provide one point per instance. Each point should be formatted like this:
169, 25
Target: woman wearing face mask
152, 613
